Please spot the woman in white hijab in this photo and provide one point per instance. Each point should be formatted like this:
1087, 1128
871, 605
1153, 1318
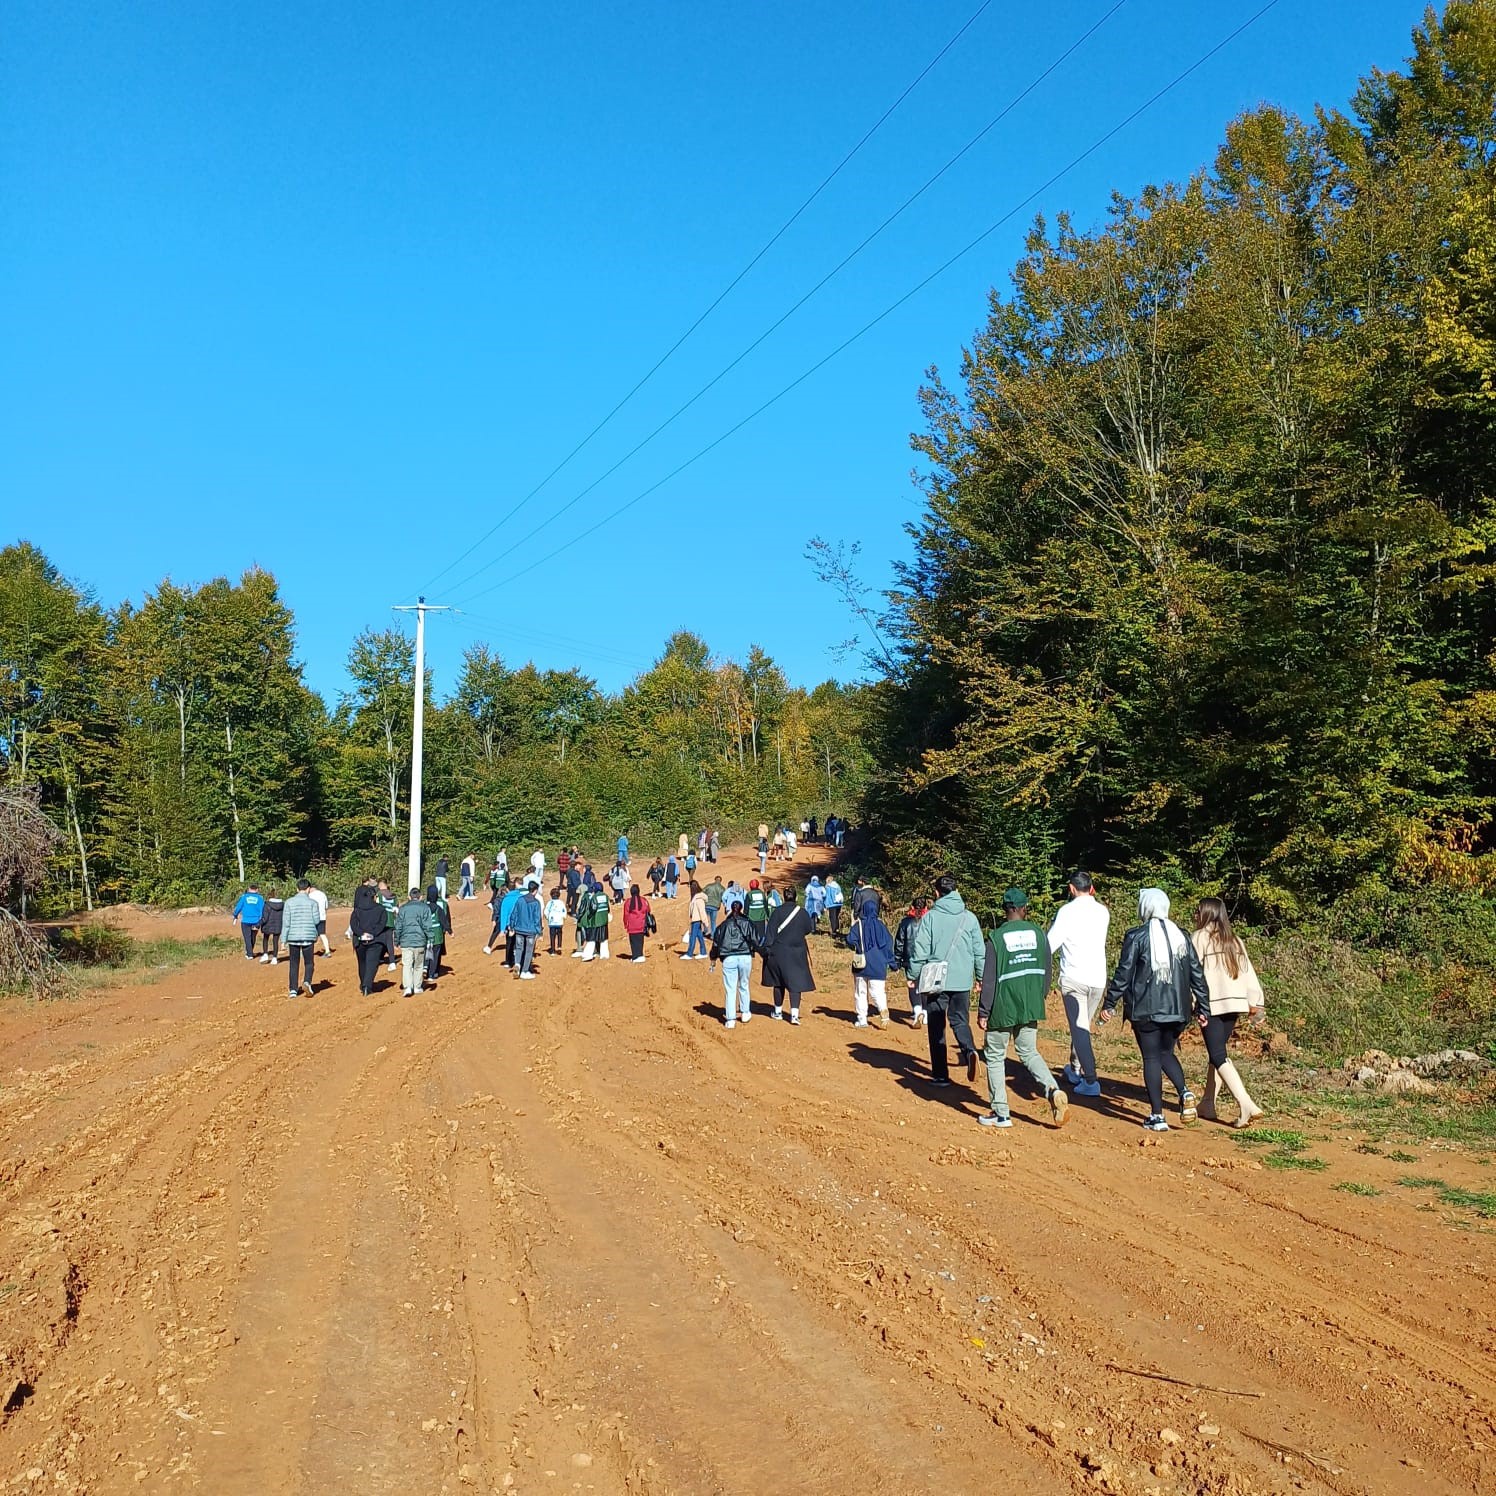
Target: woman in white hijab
1160, 983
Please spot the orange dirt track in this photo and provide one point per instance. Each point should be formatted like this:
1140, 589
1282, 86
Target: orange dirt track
571, 1235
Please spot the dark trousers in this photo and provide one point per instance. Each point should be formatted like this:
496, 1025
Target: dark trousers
1218, 1033
555, 946
249, 933
953, 1008
434, 961
302, 953
493, 934
509, 951
1156, 1043
369, 955
269, 942
636, 944
834, 915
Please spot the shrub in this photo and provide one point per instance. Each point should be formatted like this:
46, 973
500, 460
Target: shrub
93, 945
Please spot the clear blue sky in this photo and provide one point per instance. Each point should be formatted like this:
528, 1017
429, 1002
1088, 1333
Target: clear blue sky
330, 286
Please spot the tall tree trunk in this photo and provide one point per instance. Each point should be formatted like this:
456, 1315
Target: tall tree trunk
228, 732
71, 802
182, 733
829, 785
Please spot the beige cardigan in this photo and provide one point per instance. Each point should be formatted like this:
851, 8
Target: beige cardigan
1229, 994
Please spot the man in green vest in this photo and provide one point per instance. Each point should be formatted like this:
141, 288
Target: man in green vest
1015, 979
756, 907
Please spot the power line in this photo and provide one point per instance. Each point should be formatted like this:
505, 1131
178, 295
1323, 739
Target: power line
889, 310
727, 290
830, 275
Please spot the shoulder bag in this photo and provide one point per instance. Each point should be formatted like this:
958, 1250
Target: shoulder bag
932, 973
859, 956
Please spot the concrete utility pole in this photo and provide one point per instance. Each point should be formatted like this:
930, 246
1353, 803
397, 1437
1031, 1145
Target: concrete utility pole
413, 863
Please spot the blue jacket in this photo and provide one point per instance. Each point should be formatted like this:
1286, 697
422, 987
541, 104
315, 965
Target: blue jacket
835, 898
250, 908
879, 947
815, 897
506, 907
524, 918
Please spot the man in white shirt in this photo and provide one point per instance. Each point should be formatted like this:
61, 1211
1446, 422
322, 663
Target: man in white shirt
1078, 938
320, 900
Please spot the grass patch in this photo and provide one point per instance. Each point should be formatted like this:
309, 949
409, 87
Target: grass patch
1283, 1158
1367, 1148
1399, 1157
1356, 1187
158, 955
1272, 1137
102, 951
1480, 1202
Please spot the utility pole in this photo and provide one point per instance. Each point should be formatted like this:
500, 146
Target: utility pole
413, 863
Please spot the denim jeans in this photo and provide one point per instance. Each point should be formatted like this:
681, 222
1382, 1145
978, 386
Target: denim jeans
466, 891
524, 952
711, 915
1025, 1046
669, 889
697, 938
736, 971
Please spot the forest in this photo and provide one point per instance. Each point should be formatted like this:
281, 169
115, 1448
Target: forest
177, 749
1202, 590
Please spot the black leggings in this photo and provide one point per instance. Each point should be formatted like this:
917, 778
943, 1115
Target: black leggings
1218, 1031
555, 946
1156, 1042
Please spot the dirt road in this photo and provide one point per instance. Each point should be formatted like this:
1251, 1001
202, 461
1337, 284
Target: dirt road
571, 1235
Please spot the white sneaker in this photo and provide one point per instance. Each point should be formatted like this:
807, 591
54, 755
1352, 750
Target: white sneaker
605, 957
637, 960
861, 1023
391, 966
745, 1017
488, 950
795, 1019
589, 958
275, 960
265, 960
776, 1014
729, 1024
577, 955
527, 976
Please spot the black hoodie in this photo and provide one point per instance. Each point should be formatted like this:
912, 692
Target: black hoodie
368, 918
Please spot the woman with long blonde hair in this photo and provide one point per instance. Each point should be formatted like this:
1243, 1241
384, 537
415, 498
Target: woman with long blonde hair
1234, 990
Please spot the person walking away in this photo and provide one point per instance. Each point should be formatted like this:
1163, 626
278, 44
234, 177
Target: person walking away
441, 876
786, 964
1016, 973
623, 848
656, 875
778, 852
248, 911
1234, 990
387, 902
714, 892
1078, 938
555, 921
465, 874
815, 902
872, 954
506, 909
903, 952
690, 867
573, 886
812, 833
563, 866
366, 932
636, 922
597, 934
696, 930
496, 909
495, 877
733, 944
320, 900
270, 928
1159, 982
702, 838
672, 876
949, 941
863, 894
441, 927
537, 867
524, 923
301, 938
841, 832
502, 863
775, 899
763, 850
714, 846
791, 846
835, 899
619, 878
756, 907
412, 930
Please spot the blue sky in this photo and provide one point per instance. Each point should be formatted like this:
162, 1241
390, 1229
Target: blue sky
330, 287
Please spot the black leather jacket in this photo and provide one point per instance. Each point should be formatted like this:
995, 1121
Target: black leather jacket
736, 936
1144, 997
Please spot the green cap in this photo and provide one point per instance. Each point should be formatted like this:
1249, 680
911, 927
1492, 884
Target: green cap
1015, 898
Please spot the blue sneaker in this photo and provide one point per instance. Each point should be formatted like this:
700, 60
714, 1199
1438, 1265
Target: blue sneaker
991, 1119
1156, 1123
1071, 1076
1087, 1088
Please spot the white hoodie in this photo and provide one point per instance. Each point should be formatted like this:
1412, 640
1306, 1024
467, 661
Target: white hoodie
1078, 938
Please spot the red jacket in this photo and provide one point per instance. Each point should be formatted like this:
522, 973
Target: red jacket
636, 915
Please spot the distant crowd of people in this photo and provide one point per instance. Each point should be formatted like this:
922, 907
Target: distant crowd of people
1164, 980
